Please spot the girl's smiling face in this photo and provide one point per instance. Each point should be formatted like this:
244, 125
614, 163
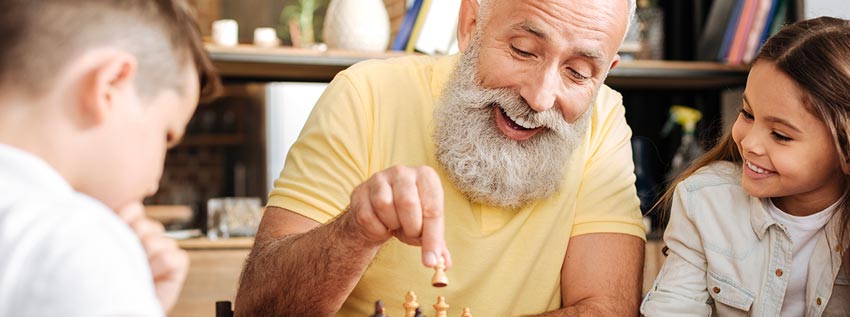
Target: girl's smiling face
788, 153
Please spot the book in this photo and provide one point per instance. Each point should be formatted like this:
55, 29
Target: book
711, 37
723, 53
776, 20
406, 29
417, 26
752, 44
438, 28
736, 52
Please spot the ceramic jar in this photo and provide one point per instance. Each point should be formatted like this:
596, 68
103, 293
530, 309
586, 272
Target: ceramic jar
357, 25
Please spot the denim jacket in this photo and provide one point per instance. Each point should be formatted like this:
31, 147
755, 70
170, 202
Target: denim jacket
729, 257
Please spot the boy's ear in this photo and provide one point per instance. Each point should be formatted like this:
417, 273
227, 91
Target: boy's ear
106, 82
466, 21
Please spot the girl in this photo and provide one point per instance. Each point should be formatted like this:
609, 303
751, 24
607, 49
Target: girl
759, 225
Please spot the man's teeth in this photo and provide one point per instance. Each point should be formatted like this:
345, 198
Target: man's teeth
756, 168
523, 123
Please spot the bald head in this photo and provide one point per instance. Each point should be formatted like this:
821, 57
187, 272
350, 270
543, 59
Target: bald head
486, 6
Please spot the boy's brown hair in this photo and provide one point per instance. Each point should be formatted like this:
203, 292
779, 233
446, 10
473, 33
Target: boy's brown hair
39, 37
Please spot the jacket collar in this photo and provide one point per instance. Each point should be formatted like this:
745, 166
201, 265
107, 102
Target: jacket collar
762, 221
759, 217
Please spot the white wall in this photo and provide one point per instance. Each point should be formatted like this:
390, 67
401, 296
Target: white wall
288, 104
833, 8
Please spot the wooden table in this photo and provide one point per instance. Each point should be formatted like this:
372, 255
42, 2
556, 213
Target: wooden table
213, 274
216, 265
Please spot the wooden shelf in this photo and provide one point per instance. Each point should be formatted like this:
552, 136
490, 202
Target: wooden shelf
676, 75
213, 140
249, 63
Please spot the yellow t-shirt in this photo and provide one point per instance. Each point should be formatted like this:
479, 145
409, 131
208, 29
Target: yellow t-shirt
378, 114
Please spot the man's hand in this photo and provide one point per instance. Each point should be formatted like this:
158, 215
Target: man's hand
169, 264
405, 202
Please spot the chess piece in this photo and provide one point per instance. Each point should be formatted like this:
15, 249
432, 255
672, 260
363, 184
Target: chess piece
440, 279
466, 312
379, 309
419, 313
410, 304
441, 307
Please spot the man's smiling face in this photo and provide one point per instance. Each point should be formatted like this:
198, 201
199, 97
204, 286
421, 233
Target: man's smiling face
518, 103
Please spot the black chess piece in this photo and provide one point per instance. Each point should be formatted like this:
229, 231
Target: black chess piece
379, 309
419, 312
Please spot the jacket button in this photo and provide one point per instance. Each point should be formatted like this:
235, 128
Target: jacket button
819, 301
779, 272
716, 290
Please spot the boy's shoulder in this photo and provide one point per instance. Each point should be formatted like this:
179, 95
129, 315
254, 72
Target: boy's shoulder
70, 250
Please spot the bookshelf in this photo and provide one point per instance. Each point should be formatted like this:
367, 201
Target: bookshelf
246, 63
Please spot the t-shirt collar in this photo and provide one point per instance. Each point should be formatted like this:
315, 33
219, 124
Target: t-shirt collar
24, 169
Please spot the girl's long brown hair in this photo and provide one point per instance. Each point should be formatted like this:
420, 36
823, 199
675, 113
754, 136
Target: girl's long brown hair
815, 54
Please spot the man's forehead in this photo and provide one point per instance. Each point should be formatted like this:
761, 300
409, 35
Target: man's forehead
531, 28
602, 22
608, 14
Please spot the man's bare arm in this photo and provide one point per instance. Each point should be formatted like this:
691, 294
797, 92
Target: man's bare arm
299, 268
602, 276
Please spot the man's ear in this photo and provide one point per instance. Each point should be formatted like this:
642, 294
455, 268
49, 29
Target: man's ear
615, 61
466, 21
109, 78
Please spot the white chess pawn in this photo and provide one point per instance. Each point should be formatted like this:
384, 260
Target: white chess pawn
410, 305
441, 307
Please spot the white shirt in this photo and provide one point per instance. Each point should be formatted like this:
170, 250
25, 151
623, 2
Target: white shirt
63, 253
803, 232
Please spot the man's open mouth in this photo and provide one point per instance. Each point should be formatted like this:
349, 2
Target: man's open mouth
518, 123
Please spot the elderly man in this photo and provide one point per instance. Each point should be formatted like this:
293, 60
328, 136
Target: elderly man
513, 155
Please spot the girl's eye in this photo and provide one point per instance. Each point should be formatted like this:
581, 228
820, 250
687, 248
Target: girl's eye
521, 52
746, 114
780, 137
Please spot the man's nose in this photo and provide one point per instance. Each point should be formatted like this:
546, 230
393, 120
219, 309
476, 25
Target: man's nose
541, 91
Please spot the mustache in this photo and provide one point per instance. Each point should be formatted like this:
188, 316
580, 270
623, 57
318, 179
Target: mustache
515, 106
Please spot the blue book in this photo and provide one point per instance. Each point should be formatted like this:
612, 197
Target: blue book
777, 14
723, 53
403, 35
712, 33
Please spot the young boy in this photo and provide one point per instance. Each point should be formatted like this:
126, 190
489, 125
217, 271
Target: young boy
92, 92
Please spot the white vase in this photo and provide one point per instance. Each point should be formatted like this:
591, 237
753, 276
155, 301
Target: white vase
357, 25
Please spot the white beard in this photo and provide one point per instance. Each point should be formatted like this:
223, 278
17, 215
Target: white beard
484, 164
